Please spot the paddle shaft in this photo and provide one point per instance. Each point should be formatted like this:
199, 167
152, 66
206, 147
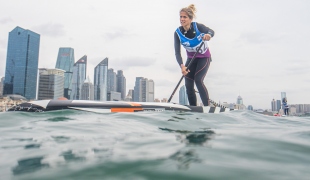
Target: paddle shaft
191, 61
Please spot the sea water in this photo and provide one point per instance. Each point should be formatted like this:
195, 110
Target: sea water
69, 144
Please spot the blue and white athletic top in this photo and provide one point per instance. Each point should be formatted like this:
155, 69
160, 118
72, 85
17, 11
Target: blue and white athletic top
192, 45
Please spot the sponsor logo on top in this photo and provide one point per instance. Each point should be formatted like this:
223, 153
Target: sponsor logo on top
186, 44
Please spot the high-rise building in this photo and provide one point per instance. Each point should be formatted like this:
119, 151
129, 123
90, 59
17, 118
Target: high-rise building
121, 83
87, 90
183, 99
111, 80
78, 78
144, 89
283, 95
1, 86
129, 95
51, 83
151, 91
239, 100
22, 63
65, 61
273, 105
101, 80
278, 104
137, 90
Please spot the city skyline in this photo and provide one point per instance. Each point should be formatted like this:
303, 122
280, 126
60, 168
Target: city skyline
254, 54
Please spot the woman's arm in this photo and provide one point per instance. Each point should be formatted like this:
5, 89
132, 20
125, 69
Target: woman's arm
204, 29
177, 48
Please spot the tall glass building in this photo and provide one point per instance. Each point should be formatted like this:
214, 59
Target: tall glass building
279, 102
143, 90
78, 78
283, 95
22, 63
65, 61
121, 84
101, 80
87, 90
137, 90
183, 96
151, 90
1, 86
239, 100
111, 80
273, 105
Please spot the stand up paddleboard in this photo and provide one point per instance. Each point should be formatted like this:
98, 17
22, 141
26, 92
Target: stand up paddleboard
111, 106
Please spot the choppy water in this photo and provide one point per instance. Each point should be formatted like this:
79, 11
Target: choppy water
153, 145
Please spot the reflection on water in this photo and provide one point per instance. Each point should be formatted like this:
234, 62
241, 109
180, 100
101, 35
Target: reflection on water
185, 158
29, 165
192, 137
57, 119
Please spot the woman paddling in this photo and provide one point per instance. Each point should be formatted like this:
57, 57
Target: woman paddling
191, 34
285, 106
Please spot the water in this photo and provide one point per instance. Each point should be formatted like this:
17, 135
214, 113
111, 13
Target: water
77, 145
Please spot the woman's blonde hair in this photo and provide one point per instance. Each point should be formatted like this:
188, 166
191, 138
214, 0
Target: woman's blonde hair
190, 11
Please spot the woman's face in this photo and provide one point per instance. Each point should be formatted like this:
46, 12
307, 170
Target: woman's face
184, 19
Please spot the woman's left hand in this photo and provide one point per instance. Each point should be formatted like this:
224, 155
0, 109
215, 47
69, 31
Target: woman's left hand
206, 37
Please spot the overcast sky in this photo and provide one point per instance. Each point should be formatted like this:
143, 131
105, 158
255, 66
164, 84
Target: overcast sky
260, 47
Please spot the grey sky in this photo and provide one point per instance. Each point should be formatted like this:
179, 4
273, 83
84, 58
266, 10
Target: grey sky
260, 47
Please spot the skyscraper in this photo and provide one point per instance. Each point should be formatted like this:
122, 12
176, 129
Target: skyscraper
239, 100
65, 61
78, 78
121, 83
278, 104
22, 63
87, 90
137, 89
1, 86
283, 95
183, 96
129, 95
273, 105
51, 83
111, 80
144, 89
101, 80
151, 91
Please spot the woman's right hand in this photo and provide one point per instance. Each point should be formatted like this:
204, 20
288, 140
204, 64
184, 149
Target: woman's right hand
183, 69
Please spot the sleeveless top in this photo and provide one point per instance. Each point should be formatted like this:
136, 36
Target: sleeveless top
192, 45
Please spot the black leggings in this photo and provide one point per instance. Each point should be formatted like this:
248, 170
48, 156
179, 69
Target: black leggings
198, 71
286, 111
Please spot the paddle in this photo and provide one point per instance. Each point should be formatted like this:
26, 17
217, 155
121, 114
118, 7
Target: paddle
191, 61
